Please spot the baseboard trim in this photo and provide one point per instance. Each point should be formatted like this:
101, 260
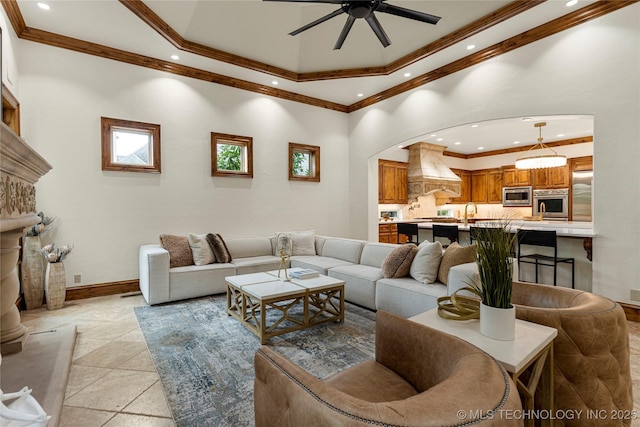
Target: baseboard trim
102, 289
631, 311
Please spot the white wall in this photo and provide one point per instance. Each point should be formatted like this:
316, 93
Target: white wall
590, 69
108, 215
9, 63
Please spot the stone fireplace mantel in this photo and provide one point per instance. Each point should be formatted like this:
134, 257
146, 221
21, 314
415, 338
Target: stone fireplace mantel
20, 168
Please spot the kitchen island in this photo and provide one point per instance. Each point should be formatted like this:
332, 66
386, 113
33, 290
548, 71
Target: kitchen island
574, 240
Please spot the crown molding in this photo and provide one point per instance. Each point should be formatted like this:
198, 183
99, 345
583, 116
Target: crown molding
142, 11
589, 12
572, 141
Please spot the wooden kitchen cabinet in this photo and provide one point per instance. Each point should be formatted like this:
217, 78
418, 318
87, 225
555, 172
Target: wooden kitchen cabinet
486, 186
388, 233
392, 182
512, 177
584, 163
559, 177
479, 186
465, 186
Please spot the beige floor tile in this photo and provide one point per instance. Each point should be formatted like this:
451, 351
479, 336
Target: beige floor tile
85, 346
112, 354
134, 335
114, 391
82, 417
151, 402
112, 330
141, 362
81, 377
127, 420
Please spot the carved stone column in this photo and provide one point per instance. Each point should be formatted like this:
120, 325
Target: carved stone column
20, 169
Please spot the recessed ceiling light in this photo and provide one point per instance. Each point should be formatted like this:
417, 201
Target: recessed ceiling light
175, 57
275, 83
433, 134
571, 3
360, 95
400, 146
560, 135
480, 148
407, 74
457, 143
439, 139
471, 47
516, 142
526, 119
474, 126
44, 6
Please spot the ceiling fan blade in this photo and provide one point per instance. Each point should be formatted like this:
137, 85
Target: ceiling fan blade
316, 22
345, 32
407, 13
377, 28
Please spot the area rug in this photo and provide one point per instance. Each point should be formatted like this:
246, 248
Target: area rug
205, 358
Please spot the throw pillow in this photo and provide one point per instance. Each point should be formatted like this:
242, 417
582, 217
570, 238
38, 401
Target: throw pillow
454, 255
178, 248
219, 248
202, 253
303, 242
424, 267
398, 262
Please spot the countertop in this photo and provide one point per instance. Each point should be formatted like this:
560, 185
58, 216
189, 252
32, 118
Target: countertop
562, 228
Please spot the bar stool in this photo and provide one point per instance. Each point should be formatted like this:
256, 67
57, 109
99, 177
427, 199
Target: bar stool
447, 231
545, 238
409, 230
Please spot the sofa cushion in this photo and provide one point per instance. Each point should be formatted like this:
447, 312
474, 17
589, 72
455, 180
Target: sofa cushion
455, 255
344, 249
178, 248
373, 254
398, 262
247, 247
201, 250
424, 267
219, 248
303, 242
360, 283
406, 296
318, 263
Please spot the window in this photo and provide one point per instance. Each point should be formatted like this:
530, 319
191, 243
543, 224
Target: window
130, 146
231, 155
304, 162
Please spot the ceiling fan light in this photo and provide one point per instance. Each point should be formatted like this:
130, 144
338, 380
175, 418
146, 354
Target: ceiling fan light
541, 162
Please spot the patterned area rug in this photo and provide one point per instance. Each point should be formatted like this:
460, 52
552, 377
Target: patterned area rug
205, 358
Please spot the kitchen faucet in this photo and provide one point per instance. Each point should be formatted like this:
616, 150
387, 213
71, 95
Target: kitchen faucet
542, 209
465, 211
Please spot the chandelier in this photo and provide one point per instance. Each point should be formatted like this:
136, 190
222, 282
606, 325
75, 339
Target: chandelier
549, 160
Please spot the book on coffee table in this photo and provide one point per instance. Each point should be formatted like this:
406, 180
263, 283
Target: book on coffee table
305, 273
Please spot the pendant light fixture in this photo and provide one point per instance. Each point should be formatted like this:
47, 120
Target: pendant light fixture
548, 159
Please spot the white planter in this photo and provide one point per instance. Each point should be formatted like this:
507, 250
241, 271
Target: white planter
498, 323
33, 272
55, 285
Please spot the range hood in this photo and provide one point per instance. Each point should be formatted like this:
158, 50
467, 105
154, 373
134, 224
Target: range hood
428, 174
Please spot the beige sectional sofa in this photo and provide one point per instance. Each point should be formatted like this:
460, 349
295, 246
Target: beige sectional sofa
357, 262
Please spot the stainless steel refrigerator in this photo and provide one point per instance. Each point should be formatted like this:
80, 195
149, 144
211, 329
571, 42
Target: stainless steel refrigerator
581, 182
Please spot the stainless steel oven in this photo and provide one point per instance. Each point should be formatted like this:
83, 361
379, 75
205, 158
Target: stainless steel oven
555, 201
516, 196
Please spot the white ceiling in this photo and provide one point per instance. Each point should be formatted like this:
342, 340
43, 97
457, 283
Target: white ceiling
259, 31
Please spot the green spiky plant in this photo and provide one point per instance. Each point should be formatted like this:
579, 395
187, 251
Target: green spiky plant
495, 265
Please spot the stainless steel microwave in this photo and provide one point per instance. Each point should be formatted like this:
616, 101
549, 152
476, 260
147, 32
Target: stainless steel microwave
516, 196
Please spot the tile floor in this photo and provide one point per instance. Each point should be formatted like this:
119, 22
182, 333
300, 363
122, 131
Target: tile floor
113, 381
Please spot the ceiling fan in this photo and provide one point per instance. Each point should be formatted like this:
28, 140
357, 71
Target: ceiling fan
363, 9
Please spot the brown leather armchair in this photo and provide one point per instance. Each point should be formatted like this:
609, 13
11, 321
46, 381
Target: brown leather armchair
591, 351
420, 377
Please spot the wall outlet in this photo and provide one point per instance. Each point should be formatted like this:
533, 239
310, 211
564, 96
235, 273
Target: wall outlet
635, 294
78, 278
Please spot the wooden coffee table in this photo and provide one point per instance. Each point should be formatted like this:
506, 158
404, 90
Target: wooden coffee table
299, 303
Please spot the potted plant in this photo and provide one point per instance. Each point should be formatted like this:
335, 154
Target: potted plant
495, 268
55, 279
33, 263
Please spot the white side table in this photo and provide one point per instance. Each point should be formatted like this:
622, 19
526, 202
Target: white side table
532, 346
